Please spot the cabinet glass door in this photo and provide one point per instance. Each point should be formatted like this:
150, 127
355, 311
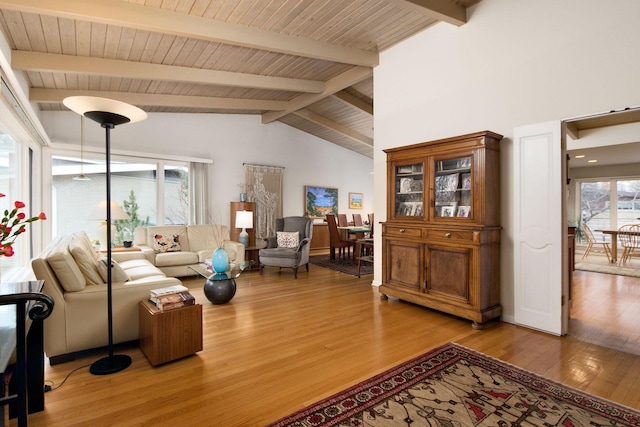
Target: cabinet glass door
453, 188
409, 190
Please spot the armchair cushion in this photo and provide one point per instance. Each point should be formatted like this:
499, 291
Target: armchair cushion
288, 239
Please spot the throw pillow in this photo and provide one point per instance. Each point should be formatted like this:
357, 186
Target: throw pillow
118, 275
288, 239
166, 242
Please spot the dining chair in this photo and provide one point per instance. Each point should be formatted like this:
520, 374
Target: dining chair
629, 241
335, 241
357, 220
342, 220
370, 217
591, 242
364, 252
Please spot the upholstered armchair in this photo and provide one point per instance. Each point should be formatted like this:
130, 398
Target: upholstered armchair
289, 248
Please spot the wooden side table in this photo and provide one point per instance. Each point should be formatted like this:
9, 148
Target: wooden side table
252, 253
171, 334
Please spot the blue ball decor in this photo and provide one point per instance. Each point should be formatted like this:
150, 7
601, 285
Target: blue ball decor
220, 260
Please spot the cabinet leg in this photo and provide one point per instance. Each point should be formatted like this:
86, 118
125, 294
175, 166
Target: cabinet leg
384, 297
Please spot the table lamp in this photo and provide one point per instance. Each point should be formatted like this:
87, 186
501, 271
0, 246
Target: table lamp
244, 220
99, 213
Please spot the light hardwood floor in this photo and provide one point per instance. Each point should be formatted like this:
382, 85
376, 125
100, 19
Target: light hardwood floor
281, 344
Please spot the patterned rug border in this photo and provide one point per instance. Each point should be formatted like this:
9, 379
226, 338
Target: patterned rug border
364, 395
351, 268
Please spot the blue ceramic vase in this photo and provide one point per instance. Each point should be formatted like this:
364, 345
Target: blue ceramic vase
220, 260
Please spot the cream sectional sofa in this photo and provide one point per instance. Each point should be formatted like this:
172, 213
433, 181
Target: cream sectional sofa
74, 276
174, 248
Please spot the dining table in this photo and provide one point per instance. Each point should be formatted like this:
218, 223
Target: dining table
614, 240
359, 232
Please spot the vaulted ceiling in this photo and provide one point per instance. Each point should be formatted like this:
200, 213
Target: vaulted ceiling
305, 63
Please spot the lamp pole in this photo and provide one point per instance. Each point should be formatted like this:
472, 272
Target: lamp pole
108, 113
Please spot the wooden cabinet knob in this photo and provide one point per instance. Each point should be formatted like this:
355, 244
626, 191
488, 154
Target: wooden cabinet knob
402, 230
447, 235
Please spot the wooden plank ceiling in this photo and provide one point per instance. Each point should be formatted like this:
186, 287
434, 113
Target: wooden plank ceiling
306, 63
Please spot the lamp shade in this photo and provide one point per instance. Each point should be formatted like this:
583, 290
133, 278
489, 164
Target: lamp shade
99, 212
244, 219
104, 110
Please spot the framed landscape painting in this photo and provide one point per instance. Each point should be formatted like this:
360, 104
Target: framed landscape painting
355, 200
320, 201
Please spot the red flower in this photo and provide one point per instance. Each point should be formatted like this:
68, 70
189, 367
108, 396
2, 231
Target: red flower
12, 225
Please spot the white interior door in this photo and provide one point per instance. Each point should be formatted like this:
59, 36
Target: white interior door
539, 227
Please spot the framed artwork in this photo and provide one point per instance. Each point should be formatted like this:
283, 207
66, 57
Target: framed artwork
464, 211
466, 181
404, 169
355, 200
417, 211
448, 211
320, 201
405, 208
405, 185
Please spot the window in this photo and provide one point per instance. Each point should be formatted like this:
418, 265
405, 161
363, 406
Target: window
135, 186
597, 198
9, 161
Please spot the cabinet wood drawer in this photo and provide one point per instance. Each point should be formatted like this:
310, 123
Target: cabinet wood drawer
402, 231
450, 234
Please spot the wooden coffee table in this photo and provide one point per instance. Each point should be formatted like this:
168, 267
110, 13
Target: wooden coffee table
170, 334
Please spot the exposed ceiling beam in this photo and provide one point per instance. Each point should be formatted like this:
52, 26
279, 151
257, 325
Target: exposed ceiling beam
346, 79
147, 18
334, 126
348, 98
48, 62
184, 101
443, 10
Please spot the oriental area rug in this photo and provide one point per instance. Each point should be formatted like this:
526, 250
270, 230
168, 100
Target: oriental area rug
456, 386
347, 266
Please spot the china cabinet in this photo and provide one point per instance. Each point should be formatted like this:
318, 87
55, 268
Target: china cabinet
441, 240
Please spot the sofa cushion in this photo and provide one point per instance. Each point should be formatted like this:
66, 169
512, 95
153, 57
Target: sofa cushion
138, 269
207, 236
67, 271
180, 230
169, 259
117, 273
166, 243
85, 256
288, 239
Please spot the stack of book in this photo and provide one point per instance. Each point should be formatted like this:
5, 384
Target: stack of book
171, 297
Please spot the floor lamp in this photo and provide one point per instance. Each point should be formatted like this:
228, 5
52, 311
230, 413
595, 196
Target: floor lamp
108, 113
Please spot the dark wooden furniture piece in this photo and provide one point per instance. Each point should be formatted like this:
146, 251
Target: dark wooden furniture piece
234, 233
320, 239
336, 242
441, 240
23, 308
171, 334
251, 254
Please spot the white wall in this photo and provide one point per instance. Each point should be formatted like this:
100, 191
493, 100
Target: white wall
230, 141
514, 63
